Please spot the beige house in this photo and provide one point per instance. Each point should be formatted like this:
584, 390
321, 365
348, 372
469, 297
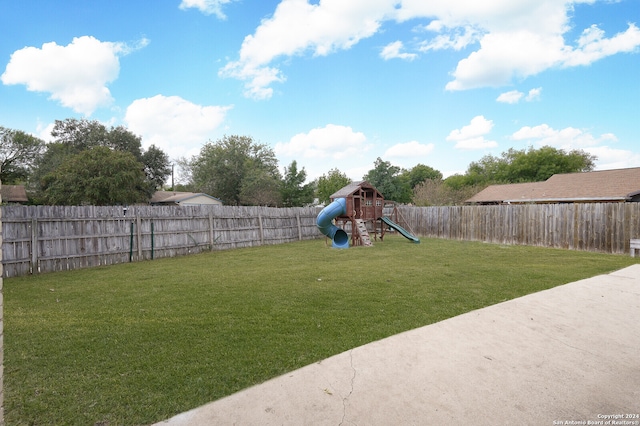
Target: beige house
605, 186
175, 198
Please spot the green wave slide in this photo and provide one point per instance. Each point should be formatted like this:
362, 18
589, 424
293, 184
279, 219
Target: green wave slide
400, 229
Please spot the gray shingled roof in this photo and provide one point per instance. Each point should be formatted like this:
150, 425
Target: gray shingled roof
175, 196
500, 193
14, 194
347, 190
604, 185
351, 188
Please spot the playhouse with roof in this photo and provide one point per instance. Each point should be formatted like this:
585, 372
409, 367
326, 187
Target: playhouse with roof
358, 208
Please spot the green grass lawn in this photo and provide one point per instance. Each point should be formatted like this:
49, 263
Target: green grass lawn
138, 343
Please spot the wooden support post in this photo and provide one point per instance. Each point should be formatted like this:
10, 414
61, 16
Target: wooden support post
139, 236
34, 246
211, 231
299, 227
261, 230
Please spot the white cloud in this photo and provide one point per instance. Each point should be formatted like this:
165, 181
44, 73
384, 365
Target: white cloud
208, 7
476, 143
454, 38
568, 138
392, 50
515, 39
175, 125
534, 94
332, 141
515, 96
76, 75
505, 56
612, 158
297, 27
472, 136
43, 131
495, 14
592, 45
411, 149
477, 127
325, 148
258, 79
512, 97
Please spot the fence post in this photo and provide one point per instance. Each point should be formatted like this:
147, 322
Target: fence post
152, 240
210, 231
34, 246
261, 230
1, 325
299, 227
139, 236
131, 243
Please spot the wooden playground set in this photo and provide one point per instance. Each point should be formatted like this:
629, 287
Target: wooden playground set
360, 207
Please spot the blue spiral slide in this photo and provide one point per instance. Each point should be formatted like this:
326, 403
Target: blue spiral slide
325, 223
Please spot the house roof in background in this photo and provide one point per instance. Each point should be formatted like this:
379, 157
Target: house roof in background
175, 197
500, 193
603, 185
14, 194
620, 183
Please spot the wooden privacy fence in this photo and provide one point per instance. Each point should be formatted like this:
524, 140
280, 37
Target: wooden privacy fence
599, 227
55, 238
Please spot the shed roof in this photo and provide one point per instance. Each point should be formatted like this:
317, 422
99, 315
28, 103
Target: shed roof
352, 188
598, 186
14, 194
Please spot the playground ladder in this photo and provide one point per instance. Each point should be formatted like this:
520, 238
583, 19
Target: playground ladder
362, 231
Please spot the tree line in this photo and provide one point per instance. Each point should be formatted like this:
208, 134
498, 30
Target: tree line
88, 163
512, 166
424, 186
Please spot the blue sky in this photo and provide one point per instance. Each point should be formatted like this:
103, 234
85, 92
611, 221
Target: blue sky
333, 83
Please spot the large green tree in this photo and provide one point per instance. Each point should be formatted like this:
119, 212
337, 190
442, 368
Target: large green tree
237, 170
260, 188
19, 153
96, 176
74, 136
386, 178
295, 193
83, 134
434, 192
536, 165
528, 165
80, 135
419, 174
512, 166
328, 184
157, 166
54, 155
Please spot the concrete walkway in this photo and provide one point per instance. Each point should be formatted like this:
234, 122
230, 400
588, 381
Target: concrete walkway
568, 355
